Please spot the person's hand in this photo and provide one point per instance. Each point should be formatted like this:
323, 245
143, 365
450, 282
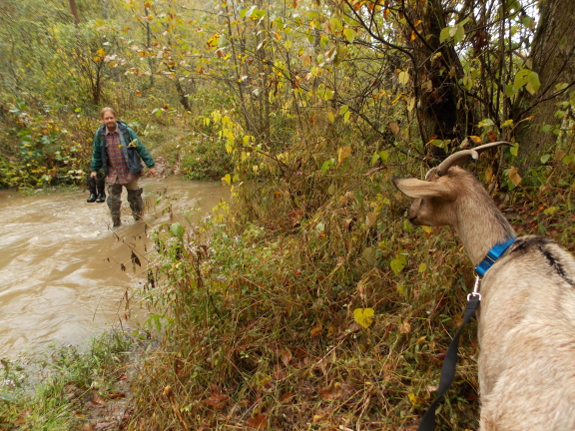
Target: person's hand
152, 171
93, 174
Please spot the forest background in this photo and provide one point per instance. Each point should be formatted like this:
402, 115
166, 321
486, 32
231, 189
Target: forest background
308, 301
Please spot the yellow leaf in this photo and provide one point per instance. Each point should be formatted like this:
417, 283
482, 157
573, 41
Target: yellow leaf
488, 174
343, 153
427, 229
316, 332
403, 77
331, 117
476, 139
514, 176
364, 316
370, 219
349, 34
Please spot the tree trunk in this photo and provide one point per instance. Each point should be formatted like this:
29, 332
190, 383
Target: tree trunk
434, 77
74, 11
553, 58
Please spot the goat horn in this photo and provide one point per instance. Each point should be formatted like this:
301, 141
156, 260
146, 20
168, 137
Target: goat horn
461, 157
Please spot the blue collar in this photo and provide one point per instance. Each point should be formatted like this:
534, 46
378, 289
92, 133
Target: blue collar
492, 256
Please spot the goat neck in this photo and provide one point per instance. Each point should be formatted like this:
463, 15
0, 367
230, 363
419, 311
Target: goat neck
478, 222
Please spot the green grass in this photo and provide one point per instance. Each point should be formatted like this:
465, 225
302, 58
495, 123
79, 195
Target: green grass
50, 391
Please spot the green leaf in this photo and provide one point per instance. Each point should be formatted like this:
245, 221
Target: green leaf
487, 122
326, 166
383, 155
398, 263
459, 34
445, 34
335, 25
533, 83
521, 78
514, 150
545, 158
397, 266
349, 34
177, 230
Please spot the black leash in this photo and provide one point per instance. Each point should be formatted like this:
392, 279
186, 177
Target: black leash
448, 369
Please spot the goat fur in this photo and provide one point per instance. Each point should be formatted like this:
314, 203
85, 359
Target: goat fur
526, 321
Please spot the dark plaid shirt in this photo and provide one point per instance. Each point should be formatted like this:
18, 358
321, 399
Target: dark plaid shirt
118, 172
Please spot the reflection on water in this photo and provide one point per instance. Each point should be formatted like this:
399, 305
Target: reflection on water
61, 276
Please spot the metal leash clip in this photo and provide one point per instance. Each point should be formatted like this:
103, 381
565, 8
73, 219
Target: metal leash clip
475, 289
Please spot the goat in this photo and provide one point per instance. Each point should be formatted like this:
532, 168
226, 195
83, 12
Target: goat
526, 321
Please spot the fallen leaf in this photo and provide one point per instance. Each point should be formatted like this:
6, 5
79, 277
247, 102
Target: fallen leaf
343, 153
258, 421
316, 332
491, 136
405, 327
217, 398
364, 316
332, 392
178, 366
279, 373
105, 425
286, 356
514, 176
98, 399
114, 395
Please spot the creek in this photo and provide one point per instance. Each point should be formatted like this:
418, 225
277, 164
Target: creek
65, 274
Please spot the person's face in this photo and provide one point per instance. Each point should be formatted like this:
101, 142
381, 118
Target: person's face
109, 120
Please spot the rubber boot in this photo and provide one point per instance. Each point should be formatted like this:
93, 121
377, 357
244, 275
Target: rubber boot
100, 185
136, 203
114, 203
92, 188
116, 220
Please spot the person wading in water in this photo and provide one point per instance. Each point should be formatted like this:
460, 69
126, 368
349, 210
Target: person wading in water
118, 150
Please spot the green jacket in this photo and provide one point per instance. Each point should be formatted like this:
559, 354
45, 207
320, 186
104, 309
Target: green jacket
132, 148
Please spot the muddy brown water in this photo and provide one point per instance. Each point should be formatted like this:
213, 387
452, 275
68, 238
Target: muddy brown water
61, 265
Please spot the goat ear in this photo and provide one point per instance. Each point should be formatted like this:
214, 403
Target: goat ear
418, 189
